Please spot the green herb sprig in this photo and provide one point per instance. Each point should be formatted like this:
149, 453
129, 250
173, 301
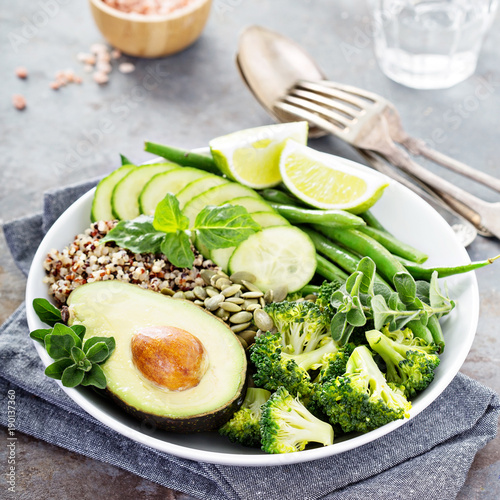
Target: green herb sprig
75, 362
169, 231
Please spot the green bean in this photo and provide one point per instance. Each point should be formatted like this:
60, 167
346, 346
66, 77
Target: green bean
436, 331
183, 157
387, 264
338, 218
420, 330
329, 270
395, 246
308, 289
372, 221
425, 273
277, 196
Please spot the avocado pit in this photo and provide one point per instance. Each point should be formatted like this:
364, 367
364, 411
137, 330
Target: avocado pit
169, 357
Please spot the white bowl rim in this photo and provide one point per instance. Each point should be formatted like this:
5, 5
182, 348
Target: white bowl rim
192, 6
252, 460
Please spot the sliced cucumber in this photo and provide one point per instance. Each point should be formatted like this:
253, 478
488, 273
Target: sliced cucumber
221, 256
281, 255
101, 204
125, 197
216, 196
251, 204
197, 187
166, 182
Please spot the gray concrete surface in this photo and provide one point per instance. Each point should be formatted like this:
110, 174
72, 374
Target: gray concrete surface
76, 133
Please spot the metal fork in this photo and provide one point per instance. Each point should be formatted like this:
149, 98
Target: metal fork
361, 102
367, 128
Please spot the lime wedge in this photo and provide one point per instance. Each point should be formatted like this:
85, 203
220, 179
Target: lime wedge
323, 181
251, 156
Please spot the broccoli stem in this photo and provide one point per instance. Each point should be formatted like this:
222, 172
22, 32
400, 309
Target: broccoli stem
312, 360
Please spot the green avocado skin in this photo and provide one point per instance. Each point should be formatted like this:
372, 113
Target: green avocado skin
117, 309
210, 421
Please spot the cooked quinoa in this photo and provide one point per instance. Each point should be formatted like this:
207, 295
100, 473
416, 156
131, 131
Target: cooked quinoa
86, 260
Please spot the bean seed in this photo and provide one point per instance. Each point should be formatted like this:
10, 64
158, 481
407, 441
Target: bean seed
252, 295
242, 275
239, 327
229, 306
213, 303
241, 317
253, 307
250, 286
200, 292
167, 291
280, 293
207, 274
179, 295
262, 320
231, 290
235, 300
189, 295
223, 315
248, 335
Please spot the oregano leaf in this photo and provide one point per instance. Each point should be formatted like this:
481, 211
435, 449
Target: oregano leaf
56, 369
48, 313
72, 376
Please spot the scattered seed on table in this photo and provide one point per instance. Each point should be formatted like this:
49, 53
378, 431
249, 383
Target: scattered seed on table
21, 72
126, 67
100, 77
19, 101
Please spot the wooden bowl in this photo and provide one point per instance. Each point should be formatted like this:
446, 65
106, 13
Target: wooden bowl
151, 36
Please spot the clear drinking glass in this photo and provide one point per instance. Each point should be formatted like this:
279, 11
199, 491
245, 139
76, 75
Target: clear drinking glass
430, 44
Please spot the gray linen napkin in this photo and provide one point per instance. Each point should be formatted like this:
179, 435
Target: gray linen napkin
428, 457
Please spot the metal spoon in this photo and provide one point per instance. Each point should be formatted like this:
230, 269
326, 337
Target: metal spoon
270, 64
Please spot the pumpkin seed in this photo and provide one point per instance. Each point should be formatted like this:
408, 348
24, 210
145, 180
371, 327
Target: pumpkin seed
223, 315
207, 274
239, 327
262, 320
211, 292
199, 302
240, 276
220, 272
222, 282
241, 317
253, 307
269, 296
311, 297
179, 295
250, 286
213, 303
235, 300
189, 295
243, 342
229, 306
280, 293
252, 295
262, 302
248, 336
167, 291
231, 290
200, 292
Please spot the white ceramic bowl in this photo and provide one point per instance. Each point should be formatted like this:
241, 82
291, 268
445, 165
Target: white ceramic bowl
404, 214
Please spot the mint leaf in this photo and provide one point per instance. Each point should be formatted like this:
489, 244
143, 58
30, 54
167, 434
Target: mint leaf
95, 376
224, 226
59, 346
72, 376
109, 341
177, 248
47, 313
98, 352
56, 369
137, 235
168, 216
40, 334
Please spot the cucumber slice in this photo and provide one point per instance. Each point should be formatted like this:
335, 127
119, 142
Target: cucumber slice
166, 182
101, 204
216, 196
221, 256
125, 197
251, 204
197, 187
280, 255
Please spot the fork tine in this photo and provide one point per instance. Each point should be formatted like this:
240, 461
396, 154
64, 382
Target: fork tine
331, 103
355, 91
310, 117
318, 110
333, 92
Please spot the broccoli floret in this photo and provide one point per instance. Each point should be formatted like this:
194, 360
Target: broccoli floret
244, 427
325, 293
410, 360
301, 324
287, 426
275, 368
334, 364
361, 399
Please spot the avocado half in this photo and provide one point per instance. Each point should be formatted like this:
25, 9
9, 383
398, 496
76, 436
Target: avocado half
125, 312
